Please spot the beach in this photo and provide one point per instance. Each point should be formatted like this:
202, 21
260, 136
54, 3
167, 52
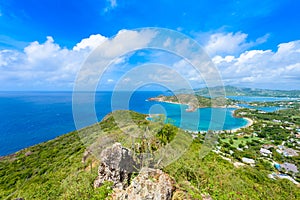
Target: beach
249, 123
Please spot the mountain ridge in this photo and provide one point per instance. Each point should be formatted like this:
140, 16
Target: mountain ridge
241, 91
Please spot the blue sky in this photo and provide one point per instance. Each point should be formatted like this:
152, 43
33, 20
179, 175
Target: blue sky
253, 43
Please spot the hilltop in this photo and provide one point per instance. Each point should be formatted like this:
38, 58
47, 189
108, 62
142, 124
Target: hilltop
238, 91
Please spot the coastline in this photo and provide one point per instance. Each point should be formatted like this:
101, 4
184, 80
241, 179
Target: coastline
249, 121
177, 103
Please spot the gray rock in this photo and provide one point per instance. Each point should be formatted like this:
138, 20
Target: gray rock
117, 165
151, 184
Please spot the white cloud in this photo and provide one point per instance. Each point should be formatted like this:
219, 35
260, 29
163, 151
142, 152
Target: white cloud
110, 50
230, 43
112, 4
49, 66
90, 43
110, 80
43, 65
263, 68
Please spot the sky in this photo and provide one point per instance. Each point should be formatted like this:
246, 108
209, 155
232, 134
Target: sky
45, 44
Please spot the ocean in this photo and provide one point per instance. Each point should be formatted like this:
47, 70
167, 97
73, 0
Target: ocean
29, 118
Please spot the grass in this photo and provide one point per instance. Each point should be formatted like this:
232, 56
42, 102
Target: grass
54, 169
241, 140
222, 180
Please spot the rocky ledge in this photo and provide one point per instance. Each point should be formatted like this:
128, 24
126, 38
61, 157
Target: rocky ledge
117, 165
151, 184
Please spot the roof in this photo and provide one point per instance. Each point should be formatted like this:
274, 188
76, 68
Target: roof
290, 152
248, 160
289, 167
264, 151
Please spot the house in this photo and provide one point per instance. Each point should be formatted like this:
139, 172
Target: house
248, 160
268, 146
289, 167
265, 152
262, 112
289, 152
276, 121
278, 151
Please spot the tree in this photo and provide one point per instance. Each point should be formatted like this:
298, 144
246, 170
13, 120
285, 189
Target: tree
167, 133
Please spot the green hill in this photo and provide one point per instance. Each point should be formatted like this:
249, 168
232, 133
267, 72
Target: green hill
237, 91
54, 170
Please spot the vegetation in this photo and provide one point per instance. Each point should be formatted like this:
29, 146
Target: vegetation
55, 169
236, 91
196, 101
222, 180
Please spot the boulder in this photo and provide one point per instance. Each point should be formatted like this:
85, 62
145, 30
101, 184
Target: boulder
117, 165
151, 184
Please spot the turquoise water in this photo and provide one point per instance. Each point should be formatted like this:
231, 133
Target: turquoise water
266, 109
202, 119
260, 99
28, 118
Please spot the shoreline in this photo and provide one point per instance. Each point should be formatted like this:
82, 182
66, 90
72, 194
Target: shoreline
249, 121
177, 103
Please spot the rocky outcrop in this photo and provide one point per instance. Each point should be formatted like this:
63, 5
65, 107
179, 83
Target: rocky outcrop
117, 165
151, 184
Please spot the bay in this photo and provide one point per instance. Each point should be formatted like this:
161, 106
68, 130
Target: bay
29, 118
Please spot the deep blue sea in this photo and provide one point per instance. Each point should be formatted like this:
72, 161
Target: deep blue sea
28, 118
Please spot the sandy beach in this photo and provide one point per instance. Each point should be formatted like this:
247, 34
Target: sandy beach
249, 123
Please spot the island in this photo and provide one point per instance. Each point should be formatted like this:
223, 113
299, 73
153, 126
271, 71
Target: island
196, 101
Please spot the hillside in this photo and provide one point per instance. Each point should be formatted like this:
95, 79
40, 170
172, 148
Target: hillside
54, 170
236, 91
195, 101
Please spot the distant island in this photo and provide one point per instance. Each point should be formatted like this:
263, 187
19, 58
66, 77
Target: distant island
196, 101
239, 91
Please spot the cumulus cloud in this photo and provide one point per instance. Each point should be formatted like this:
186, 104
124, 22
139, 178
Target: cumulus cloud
109, 52
263, 68
44, 65
47, 65
90, 43
230, 43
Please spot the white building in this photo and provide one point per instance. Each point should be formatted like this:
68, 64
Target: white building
248, 161
265, 152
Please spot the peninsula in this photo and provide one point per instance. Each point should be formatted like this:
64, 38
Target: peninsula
196, 101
